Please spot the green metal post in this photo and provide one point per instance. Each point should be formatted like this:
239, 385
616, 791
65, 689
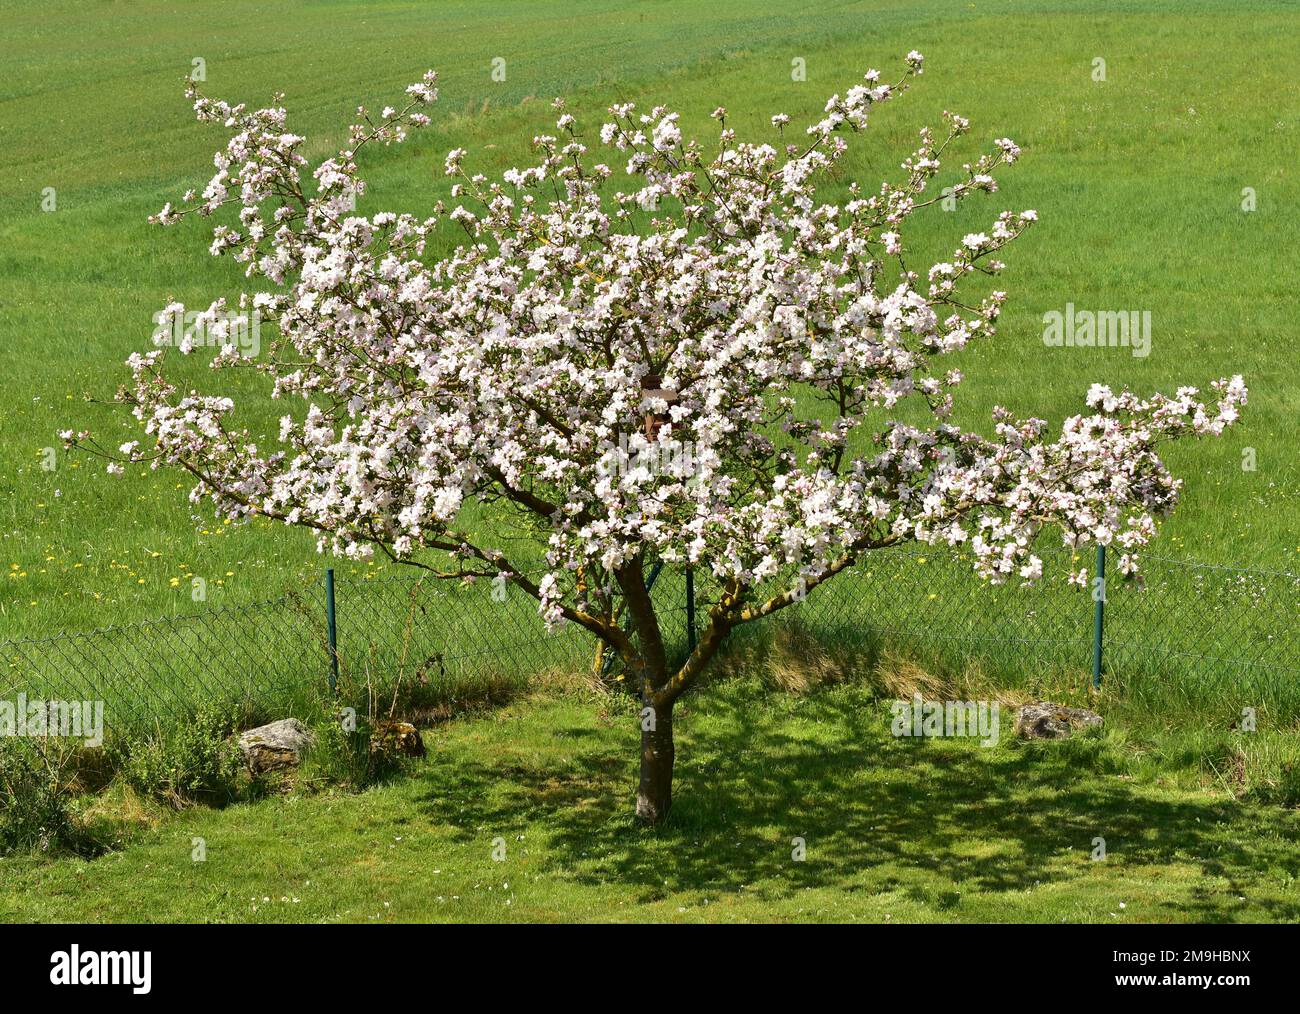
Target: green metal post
333, 629
1098, 616
690, 609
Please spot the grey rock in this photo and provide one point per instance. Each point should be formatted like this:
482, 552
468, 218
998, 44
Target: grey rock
1045, 720
275, 746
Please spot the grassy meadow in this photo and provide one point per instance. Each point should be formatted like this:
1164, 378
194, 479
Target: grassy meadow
998, 834
1139, 180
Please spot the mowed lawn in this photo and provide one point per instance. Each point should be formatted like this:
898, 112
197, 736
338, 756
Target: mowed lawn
523, 814
1138, 180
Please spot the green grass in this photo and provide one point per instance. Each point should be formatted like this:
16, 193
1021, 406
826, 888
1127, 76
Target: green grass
895, 830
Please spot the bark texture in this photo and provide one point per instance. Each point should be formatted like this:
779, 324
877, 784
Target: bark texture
654, 794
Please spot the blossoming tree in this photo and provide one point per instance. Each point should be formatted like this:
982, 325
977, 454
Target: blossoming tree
590, 320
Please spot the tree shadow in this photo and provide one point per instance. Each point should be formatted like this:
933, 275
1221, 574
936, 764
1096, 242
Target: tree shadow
827, 772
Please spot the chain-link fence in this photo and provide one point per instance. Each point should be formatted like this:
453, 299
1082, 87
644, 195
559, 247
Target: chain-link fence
1188, 630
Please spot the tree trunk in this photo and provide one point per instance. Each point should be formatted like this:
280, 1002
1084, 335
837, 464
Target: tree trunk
654, 794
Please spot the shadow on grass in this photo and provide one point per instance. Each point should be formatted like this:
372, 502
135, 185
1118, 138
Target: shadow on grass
928, 819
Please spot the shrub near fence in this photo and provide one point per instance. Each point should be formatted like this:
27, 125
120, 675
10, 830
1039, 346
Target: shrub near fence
1202, 635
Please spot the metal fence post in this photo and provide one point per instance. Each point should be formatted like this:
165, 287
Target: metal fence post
690, 610
333, 629
1098, 616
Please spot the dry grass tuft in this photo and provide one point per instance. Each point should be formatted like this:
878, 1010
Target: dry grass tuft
121, 806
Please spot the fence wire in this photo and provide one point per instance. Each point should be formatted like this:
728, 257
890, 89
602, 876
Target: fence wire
1187, 629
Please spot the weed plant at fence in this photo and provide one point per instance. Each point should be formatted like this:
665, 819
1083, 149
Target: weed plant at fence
1192, 636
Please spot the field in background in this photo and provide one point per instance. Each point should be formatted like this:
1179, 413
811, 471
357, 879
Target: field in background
1138, 181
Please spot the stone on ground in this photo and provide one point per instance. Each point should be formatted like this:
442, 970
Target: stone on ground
1044, 720
275, 746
